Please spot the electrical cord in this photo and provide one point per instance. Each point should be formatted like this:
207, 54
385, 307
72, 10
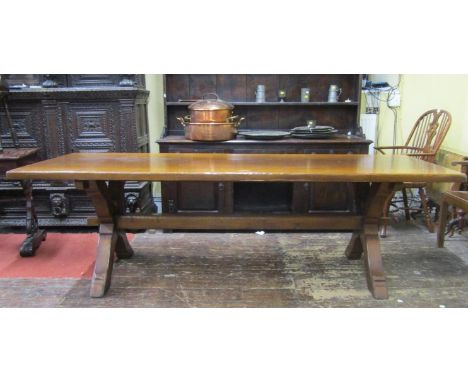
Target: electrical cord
395, 116
391, 92
374, 92
394, 109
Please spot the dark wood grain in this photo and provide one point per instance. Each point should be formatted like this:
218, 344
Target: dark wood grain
231, 87
177, 87
201, 84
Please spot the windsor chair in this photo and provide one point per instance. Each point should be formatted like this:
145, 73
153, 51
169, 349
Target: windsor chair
423, 142
457, 197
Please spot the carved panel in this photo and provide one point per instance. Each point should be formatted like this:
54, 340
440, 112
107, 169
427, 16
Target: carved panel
92, 129
27, 124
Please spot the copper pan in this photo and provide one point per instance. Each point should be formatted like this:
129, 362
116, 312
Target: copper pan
210, 131
210, 109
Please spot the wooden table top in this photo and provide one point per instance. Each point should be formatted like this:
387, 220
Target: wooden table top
237, 167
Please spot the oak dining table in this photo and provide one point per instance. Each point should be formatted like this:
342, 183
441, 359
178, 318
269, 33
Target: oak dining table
103, 175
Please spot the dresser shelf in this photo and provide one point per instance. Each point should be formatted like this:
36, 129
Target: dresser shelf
239, 89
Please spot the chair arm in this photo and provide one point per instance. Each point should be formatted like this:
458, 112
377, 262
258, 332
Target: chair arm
380, 148
421, 154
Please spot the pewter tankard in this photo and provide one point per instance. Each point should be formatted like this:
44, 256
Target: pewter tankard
334, 93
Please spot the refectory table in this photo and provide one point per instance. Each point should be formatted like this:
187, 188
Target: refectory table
103, 175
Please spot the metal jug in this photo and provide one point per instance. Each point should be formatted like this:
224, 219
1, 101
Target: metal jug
334, 93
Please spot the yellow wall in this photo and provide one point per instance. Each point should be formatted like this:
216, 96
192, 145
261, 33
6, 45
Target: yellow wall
154, 83
420, 93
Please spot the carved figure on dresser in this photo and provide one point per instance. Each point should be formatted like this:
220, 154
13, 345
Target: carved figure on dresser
59, 205
131, 203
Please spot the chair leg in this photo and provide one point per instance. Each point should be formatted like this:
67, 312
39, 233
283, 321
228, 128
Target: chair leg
442, 223
425, 206
461, 226
453, 222
405, 203
385, 219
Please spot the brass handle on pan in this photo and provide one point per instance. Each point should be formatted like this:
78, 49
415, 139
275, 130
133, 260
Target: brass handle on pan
237, 123
232, 118
182, 120
217, 97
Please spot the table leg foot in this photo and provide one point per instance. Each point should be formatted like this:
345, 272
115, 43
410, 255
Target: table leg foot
354, 249
123, 250
375, 274
32, 242
35, 236
378, 289
102, 275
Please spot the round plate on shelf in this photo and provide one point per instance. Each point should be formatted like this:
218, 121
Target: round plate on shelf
316, 129
313, 136
263, 134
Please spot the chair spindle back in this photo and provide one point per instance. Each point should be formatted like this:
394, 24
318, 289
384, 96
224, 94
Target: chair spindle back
428, 133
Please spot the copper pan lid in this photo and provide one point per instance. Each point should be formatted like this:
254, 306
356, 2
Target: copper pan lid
211, 103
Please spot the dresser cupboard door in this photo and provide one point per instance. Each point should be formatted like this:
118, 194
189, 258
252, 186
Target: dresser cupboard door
199, 197
329, 197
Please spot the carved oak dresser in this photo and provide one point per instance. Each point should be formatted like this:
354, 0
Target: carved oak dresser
62, 114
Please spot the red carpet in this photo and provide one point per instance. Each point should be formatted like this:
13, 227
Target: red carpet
60, 256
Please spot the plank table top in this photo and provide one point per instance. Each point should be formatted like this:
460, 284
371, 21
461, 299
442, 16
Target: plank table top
102, 176
237, 167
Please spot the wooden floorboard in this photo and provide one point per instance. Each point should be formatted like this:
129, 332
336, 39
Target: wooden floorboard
272, 270
34, 293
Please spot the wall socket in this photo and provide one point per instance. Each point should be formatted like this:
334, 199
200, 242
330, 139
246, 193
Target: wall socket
394, 99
